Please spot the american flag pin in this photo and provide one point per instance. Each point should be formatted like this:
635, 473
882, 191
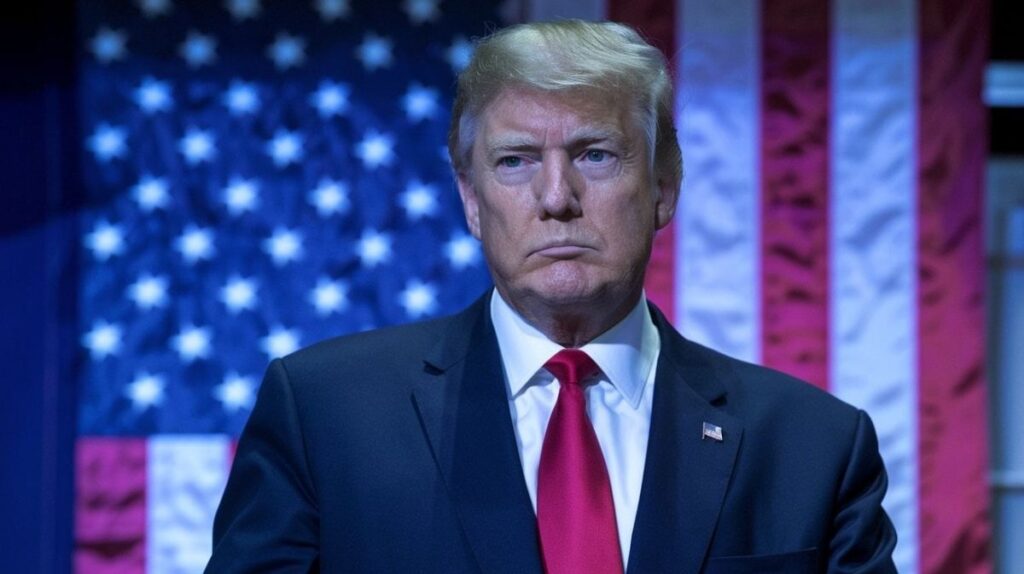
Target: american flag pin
711, 431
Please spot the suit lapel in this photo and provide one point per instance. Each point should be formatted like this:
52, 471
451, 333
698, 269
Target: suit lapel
464, 410
686, 475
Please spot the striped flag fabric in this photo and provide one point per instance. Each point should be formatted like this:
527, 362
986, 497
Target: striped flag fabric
831, 227
264, 175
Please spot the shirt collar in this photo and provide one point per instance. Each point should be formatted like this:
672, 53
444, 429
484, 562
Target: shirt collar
625, 353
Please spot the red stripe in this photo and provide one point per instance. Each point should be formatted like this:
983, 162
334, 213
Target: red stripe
660, 279
955, 529
110, 506
655, 20
794, 187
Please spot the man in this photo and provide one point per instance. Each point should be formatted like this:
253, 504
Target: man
559, 424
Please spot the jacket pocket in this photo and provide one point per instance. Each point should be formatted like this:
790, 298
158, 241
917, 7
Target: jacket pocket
797, 562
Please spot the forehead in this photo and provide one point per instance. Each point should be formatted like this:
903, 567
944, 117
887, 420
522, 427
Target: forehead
567, 114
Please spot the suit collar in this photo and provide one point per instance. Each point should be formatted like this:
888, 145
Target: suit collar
463, 408
686, 476
457, 341
702, 375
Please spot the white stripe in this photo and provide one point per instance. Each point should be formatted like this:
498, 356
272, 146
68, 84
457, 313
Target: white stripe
1004, 85
873, 289
186, 477
718, 220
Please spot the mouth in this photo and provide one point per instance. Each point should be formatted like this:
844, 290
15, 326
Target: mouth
562, 250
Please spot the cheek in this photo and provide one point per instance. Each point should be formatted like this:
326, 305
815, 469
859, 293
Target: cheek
629, 226
505, 212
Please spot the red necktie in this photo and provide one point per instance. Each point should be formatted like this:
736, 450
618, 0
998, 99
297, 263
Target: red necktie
575, 510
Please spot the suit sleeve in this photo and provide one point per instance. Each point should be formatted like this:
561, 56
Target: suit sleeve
863, 537
268, 519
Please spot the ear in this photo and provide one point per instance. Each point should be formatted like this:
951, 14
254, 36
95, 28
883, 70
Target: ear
470, 203
668, 195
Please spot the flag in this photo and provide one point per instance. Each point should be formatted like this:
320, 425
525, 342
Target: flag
830, 226
265, 175
260, 176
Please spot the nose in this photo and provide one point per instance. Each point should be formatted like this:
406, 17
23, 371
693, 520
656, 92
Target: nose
558, 190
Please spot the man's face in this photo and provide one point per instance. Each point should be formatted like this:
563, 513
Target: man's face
562, 195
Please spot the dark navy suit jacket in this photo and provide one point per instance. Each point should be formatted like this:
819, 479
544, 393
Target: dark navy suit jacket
393, 451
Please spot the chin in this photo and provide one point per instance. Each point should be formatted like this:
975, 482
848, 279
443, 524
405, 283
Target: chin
567, 283
576, 297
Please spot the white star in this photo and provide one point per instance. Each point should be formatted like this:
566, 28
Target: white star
376, 149
333, 9
419, 200
280, 342
241, 195
374, 52
146, 391
151, 193
149, 291
192, 343
238, 294
236, 392
153, 96
329, 296
283, 246
285, 148
105, 240
418, 298
373, 248
462, 250
198, 49
329, 197
107, 142
241, 98
195, 244
330, 99
103, 339
287, 51
459, 53
108, 45
243, 9
420, 103
197, 146
420, 11
153, 8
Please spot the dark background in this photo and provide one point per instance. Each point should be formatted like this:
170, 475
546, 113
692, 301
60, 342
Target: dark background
39, 148
1006, 125
39, 197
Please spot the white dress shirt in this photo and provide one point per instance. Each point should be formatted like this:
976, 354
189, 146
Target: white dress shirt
619, 403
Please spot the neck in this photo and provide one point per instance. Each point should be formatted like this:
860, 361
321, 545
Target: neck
575, 325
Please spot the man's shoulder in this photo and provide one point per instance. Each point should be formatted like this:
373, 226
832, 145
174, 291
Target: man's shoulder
388, 349
382, 345
782, 413
743, 384
756, 391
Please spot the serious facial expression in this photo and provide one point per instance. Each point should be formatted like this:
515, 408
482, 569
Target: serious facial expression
562, 194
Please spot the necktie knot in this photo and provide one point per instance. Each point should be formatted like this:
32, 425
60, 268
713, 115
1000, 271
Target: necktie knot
571, 366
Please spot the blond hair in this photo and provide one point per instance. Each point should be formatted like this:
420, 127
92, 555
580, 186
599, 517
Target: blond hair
567, 55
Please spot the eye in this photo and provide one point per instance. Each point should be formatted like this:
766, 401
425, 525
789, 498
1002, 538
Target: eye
510, 161
596, 155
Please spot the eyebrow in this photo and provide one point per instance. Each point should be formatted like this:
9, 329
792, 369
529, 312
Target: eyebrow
512, 142
580, 138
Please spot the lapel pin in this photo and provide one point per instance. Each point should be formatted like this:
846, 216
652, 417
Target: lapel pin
713, 432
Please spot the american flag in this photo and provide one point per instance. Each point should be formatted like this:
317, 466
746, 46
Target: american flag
263, 175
